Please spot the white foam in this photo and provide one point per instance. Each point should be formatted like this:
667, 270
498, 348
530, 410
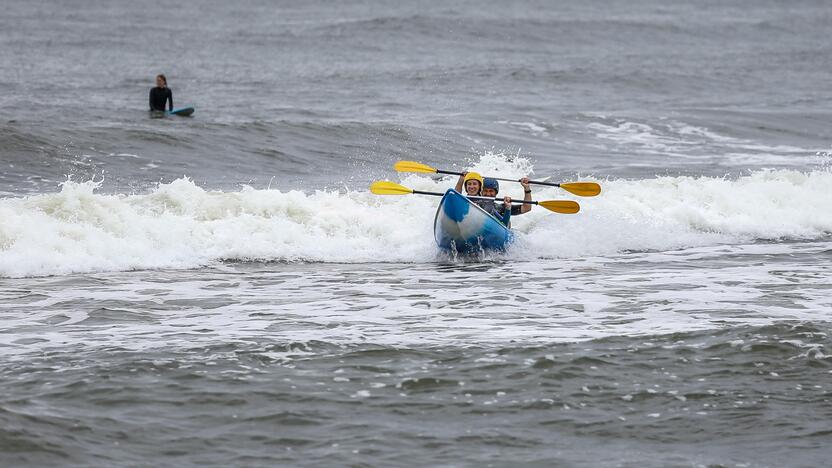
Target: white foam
424, 306
675, 212
530, 127
685, 141
180, 225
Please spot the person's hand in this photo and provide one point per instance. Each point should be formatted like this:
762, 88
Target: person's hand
525, 183
507, 201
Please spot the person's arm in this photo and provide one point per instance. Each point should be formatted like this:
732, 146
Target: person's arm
460, 182
170, 99
526, 207
506, 211
150, 99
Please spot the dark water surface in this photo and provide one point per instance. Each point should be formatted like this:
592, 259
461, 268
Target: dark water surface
749, 396
222, 290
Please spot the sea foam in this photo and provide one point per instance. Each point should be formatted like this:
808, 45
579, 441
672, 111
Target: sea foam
181, 225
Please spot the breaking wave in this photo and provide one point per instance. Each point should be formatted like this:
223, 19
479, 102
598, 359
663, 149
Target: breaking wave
180, 225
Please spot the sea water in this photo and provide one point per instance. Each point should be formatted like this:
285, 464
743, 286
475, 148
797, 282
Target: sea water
223, 290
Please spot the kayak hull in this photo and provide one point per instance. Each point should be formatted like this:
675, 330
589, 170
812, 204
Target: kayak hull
463, 227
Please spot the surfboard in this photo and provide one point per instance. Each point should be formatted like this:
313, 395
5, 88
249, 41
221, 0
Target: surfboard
183, 111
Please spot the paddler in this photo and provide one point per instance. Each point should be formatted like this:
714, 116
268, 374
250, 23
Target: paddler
472, 181
504, 212
491, 187
475, 185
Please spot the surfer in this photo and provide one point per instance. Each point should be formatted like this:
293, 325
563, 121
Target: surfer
160, 95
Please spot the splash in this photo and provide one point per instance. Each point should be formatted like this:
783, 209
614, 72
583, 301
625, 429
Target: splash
181, 225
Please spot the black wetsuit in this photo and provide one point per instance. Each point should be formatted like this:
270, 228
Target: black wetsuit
158, 98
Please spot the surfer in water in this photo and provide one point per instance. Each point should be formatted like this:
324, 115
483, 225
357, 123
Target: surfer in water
160, 95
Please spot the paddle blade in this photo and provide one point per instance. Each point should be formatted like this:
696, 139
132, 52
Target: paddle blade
413, 166
582, 189
384, 187
561, 206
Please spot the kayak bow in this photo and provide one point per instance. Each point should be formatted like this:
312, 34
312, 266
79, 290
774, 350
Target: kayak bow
463, 227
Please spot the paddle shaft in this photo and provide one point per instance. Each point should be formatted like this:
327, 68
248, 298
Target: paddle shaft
550, 184
439, 194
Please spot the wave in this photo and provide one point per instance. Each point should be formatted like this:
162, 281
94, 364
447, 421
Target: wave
180, 225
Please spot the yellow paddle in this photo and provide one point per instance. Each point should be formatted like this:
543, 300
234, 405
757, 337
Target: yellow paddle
391, 188
582, 189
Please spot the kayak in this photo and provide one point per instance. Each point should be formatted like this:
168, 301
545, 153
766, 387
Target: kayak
183, 111
463, 227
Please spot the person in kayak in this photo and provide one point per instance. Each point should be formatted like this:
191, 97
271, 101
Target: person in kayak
504, 212
491, 187
472, 182
160, 95
476, 185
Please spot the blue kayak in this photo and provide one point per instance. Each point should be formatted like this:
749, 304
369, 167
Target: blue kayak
463, 227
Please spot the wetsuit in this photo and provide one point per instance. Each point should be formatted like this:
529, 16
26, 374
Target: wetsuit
158, 98
501, 213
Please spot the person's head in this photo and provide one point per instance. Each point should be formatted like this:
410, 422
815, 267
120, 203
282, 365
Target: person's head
161, 80
473, 183
490, 187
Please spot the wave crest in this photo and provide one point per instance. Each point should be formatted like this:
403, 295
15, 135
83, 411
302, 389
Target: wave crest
181, 225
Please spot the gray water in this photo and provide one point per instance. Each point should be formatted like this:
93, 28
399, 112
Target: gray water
222, 290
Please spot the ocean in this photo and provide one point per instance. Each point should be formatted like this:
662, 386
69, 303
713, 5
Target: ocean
224, 290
